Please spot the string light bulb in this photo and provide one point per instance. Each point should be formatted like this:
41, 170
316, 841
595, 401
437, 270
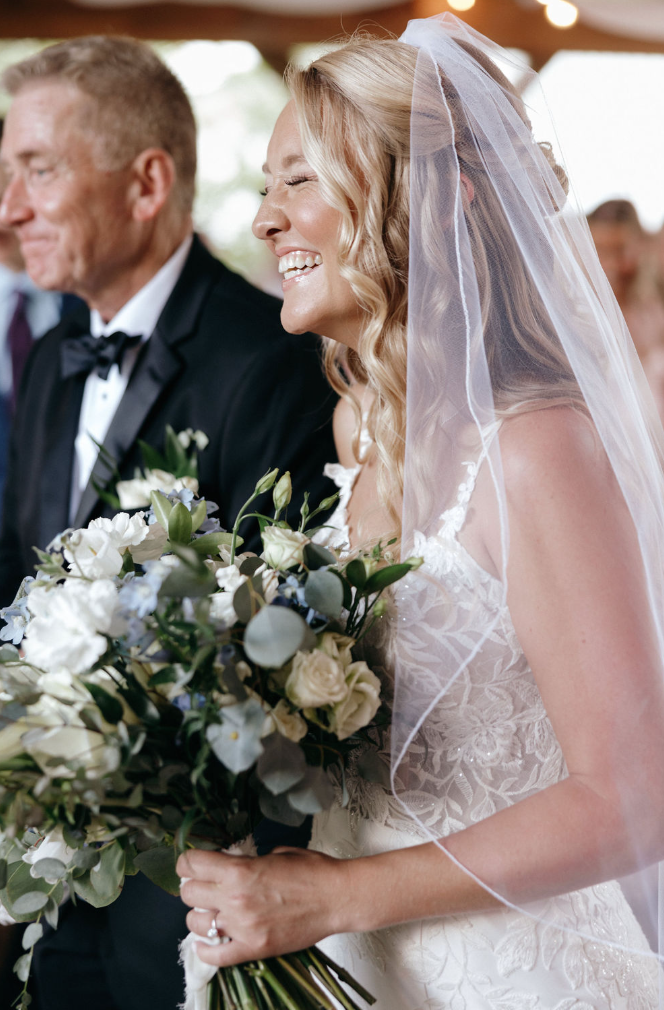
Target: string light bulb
561, 13
461, 5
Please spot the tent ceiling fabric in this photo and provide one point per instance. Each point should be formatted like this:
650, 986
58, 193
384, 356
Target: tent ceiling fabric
639, 19
286, 7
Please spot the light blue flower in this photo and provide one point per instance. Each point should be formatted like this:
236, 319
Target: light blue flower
237, 741
139, 594
17, 616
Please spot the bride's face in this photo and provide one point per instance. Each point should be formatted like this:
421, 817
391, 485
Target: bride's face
302, 230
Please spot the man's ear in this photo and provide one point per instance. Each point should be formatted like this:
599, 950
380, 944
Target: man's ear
153, 179
468, 187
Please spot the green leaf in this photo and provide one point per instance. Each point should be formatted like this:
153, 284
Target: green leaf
100, 887
199, 515
49, 869
273, 636
184, 581
176, 457
316, 556
281, 765
139, 702
152, 460
356, 573
30, 903
250, 566
158, 865
169, 675
210, 543
324, 593
384, 577
162, 508
110, 707
32, 934
3, 873
179, 524
52, 912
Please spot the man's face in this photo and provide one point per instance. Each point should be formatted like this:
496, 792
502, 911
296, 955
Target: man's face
72, 217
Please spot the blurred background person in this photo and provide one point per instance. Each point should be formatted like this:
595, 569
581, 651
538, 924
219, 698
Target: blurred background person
627, 253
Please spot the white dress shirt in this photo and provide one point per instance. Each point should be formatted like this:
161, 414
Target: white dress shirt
42, 310
101, 397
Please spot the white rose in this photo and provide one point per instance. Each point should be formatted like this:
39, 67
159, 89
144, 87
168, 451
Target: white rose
133, 494
361, 704
337, 646
160, 480
283, 548
315, 679
289, 724
69, 623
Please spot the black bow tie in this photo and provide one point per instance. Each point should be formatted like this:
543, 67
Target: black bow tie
87, 353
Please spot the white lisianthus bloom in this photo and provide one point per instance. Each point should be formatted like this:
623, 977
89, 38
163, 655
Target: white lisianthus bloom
96, 552
229, 578
67, 738
289, 724
69, 623
361, 704
51, 846
283, 548
315, 679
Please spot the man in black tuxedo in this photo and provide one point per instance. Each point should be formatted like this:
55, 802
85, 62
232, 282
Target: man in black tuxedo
99, 150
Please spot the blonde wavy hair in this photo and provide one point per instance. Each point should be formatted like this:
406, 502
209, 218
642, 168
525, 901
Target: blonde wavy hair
354, 112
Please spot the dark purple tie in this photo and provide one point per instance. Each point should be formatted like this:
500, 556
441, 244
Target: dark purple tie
19, 338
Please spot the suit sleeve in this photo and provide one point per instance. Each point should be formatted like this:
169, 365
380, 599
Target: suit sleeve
280, 416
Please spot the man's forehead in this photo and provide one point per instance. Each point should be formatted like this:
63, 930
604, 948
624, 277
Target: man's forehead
41, 117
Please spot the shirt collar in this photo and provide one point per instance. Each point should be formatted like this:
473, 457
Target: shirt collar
140, 314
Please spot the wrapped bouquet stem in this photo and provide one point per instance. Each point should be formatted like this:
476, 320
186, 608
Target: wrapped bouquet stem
160, 690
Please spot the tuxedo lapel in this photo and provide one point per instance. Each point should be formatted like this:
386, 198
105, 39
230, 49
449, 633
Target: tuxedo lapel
56, 475
157, 365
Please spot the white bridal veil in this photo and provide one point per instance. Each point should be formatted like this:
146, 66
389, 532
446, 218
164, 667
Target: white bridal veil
548, 330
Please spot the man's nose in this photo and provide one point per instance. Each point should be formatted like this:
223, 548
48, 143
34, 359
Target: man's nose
14, 206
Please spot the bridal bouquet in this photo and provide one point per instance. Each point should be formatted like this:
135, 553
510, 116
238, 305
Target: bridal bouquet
160, 690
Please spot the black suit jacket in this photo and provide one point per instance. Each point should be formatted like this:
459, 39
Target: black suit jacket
218, 361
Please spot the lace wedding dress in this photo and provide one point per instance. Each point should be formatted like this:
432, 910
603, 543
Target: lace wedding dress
501, 959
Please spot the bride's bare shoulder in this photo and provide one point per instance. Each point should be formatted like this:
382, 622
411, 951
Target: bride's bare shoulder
553, 446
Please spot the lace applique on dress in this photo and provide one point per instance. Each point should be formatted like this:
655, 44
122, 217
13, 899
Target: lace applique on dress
494, 745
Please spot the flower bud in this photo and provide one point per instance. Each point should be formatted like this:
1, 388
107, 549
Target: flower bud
414, 563
281, 495
266, 482
380, 608
327, 503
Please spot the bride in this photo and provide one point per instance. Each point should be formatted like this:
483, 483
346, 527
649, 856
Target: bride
494, 419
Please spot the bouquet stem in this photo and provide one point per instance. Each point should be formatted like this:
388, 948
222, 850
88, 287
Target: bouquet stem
302, 981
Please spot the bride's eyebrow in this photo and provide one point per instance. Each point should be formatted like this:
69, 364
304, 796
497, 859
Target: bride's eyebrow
288, 162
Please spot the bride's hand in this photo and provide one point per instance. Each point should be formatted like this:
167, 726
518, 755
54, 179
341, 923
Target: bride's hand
269, 905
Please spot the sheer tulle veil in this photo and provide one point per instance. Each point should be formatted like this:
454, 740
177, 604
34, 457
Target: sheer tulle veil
470, 366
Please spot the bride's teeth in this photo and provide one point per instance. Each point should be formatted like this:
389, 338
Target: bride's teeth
292, 263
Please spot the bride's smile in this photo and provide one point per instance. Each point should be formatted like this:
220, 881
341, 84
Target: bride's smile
302, 229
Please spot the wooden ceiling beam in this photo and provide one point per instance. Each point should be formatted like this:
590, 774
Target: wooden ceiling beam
273, 33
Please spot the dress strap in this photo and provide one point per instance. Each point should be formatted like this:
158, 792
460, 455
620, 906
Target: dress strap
453, 519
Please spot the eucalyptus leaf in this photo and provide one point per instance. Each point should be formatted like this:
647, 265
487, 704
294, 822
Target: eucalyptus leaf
317, 556
49, 869
324, 593
110, 707
101, 886
248, 599
179, 524
273, 636
3, 873
281, 765
313, 794
52, 913
86, 858
161, 507
251, 565
385, 577
32, 934
30, 902
22, 967
277, 808
158, 865
184, 581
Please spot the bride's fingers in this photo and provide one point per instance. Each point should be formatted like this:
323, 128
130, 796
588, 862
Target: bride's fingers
205, 865
223, 955
201, 894
202, 923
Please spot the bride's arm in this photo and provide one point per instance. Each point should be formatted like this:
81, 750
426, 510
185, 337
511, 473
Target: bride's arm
577, 599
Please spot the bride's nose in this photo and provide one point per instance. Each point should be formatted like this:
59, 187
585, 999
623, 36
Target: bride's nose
269, 221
